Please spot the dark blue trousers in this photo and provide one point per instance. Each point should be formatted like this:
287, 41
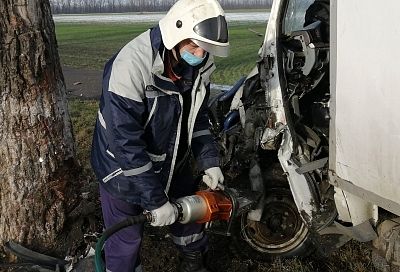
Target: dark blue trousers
122, 249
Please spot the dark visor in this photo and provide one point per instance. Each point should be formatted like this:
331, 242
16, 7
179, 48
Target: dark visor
214, 29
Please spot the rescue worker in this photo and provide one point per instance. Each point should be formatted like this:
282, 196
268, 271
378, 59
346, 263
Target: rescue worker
152, 117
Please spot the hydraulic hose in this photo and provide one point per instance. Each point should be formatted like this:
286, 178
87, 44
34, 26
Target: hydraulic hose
132, 220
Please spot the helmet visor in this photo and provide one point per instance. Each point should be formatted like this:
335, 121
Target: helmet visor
214, 29
215, 32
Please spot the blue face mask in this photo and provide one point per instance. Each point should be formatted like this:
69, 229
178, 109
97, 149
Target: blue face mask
191, 59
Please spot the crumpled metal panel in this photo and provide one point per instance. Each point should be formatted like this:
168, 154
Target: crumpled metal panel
302, 194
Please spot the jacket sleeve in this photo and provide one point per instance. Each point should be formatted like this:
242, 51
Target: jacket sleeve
204, 147
125, 114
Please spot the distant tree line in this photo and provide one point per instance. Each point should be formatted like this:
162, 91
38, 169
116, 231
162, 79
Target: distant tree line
110, 6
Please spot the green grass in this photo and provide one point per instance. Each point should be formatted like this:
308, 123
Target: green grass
89, 46
83, 117
244, 46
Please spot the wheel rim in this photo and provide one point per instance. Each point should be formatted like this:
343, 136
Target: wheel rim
280, 229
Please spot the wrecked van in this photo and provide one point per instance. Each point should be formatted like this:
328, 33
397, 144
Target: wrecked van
316, 125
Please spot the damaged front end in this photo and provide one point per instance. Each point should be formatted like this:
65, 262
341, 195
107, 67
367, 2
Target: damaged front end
304, 150
279, 139
282, 133
294, 77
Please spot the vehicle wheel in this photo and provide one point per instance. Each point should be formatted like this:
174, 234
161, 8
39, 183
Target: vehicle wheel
280, 232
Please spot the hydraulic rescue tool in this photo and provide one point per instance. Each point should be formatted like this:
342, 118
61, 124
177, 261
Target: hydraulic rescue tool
203, 207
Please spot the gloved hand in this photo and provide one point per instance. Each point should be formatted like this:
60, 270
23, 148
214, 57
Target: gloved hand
212, 177
165, 215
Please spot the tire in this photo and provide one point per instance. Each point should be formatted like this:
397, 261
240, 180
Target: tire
281, 232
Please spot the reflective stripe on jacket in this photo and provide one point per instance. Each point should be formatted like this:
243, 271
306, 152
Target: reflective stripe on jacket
136, 135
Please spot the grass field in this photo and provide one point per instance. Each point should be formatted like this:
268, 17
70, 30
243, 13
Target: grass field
89, 46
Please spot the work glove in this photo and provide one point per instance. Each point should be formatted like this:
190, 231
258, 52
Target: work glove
212, 177
165, 215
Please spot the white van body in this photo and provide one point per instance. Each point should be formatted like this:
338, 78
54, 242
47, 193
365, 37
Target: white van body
365, 98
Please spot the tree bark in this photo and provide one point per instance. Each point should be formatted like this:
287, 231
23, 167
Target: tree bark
38, 184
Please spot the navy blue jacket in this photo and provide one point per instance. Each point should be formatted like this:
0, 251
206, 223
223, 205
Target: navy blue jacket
137, 131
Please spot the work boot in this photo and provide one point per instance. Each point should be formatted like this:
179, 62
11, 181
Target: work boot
193, 261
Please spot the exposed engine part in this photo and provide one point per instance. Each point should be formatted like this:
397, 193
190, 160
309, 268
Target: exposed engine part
270, 139
312, 47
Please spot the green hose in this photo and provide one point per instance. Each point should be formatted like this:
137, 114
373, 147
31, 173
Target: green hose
133, 220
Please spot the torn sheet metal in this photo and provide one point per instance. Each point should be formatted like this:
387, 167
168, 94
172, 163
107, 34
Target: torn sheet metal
311, 166
302, 194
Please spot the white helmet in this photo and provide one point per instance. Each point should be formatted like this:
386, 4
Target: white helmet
202, 21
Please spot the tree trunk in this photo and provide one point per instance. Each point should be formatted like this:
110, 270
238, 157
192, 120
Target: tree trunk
37, 154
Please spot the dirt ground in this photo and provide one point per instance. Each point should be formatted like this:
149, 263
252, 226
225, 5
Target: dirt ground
85, 84
159, 253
